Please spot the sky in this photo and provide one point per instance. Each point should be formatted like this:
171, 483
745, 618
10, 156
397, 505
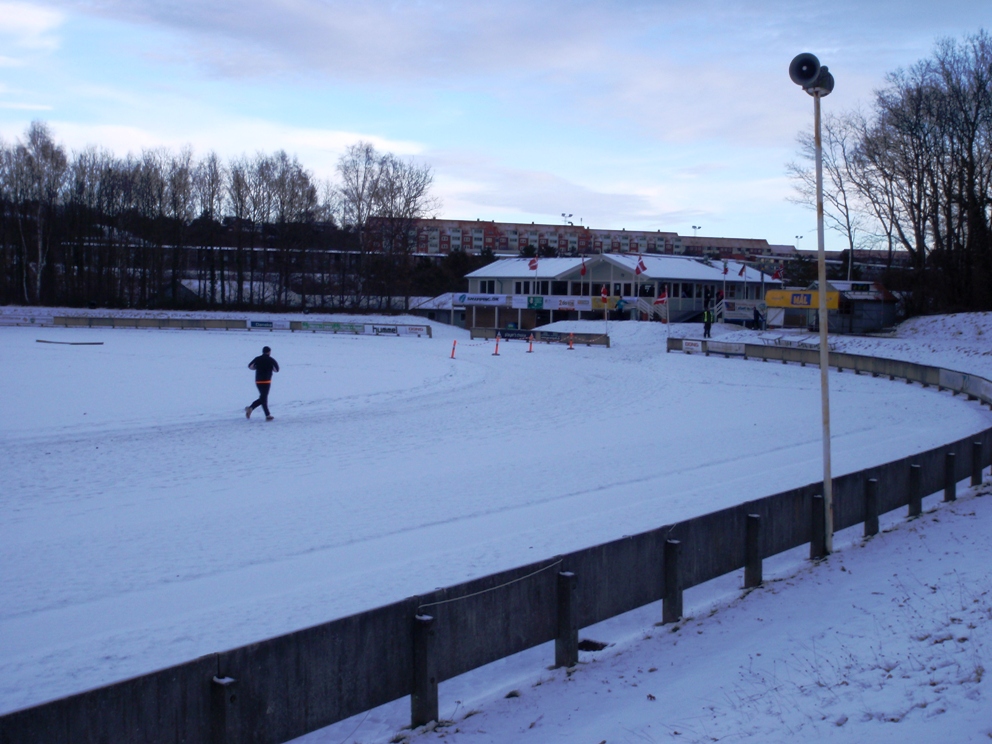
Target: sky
636, 114
141, 530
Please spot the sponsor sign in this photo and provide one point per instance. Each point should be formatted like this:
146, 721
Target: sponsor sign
366, 329
480, 299
690, 346
268, 325
806, 300
742, 309
535, 303
568, 303
16, 320
722, 347
309, 325
599, 304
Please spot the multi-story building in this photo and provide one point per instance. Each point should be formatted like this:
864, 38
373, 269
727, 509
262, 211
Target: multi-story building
440, 237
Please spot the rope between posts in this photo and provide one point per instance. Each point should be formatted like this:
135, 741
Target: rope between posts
490, 589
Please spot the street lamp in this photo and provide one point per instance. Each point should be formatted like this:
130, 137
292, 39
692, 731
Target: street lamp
565, 218
695, 229
806, 72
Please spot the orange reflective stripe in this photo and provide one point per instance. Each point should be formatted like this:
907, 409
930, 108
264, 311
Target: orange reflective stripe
262, 382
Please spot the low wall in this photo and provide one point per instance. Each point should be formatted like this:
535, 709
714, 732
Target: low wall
236, 324
283, 687
545, 337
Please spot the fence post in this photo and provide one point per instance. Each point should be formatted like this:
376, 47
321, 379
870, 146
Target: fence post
671, 604
818, 529
871, 507
224, 708
567, 640
976, 463
950, 477
752, 551
423, 700
915, 495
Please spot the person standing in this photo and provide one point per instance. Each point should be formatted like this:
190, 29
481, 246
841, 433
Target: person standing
264, 367
707, 322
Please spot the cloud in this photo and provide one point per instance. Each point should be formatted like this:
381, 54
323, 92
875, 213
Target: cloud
29, 27
682, 70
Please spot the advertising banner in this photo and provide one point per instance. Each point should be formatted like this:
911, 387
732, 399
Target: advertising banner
16, 320
568, 303
690, 346
376, 329
482, 300
806, 300
742, 309
329, 327
267, 325
722, 347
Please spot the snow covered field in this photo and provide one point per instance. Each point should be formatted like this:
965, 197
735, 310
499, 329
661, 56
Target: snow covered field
146, 522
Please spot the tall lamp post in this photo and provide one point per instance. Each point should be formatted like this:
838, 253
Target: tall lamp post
806, 72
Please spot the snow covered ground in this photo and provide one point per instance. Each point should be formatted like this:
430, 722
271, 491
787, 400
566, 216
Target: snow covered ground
145, 522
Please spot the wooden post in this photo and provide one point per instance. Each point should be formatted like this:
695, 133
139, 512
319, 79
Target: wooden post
752, 551
423, 700
567, 640
950, 477
976, 463
224, 719
671, 604
915, 496
818, 529
871, 507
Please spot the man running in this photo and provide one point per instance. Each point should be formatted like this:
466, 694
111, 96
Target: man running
264, 366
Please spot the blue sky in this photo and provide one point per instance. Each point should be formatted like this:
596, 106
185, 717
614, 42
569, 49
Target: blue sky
643, 115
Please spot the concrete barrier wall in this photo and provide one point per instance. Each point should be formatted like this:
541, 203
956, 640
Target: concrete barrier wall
281, 688
546, 337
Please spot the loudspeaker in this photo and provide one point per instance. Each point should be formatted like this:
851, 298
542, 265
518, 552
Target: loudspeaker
804, 69
824, 82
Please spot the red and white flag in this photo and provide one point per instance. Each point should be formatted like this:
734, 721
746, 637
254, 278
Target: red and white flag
640, 268
604, 294
582, 269
533, 264
743, 269
777, 276
724, 267
662, 298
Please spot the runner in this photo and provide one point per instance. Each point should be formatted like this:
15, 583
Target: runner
264, 366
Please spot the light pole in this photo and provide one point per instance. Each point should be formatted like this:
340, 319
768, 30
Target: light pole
695, 229
806, 71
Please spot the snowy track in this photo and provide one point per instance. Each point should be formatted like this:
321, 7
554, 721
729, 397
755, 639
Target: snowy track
145, 522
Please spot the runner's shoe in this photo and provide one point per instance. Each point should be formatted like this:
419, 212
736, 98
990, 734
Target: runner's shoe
269, 418
248, 412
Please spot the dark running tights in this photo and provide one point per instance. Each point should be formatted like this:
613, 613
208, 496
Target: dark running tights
263, 397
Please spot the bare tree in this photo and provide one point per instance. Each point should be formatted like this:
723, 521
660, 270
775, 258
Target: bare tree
841, 212
39, 170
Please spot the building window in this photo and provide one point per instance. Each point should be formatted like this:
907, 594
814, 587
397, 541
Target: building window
559, 288
627, 290
487, 286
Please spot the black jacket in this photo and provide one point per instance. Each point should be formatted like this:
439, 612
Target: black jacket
264, 366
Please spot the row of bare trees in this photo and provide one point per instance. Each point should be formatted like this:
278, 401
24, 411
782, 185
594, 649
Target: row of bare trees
168, 228
914, 173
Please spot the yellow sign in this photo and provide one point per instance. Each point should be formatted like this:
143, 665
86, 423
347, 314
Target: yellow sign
802, 299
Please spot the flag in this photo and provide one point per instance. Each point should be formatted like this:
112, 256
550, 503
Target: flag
582, 270
604, 294
662, 298
724, 267
640, 268
743, 269
533, 264
777, 276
